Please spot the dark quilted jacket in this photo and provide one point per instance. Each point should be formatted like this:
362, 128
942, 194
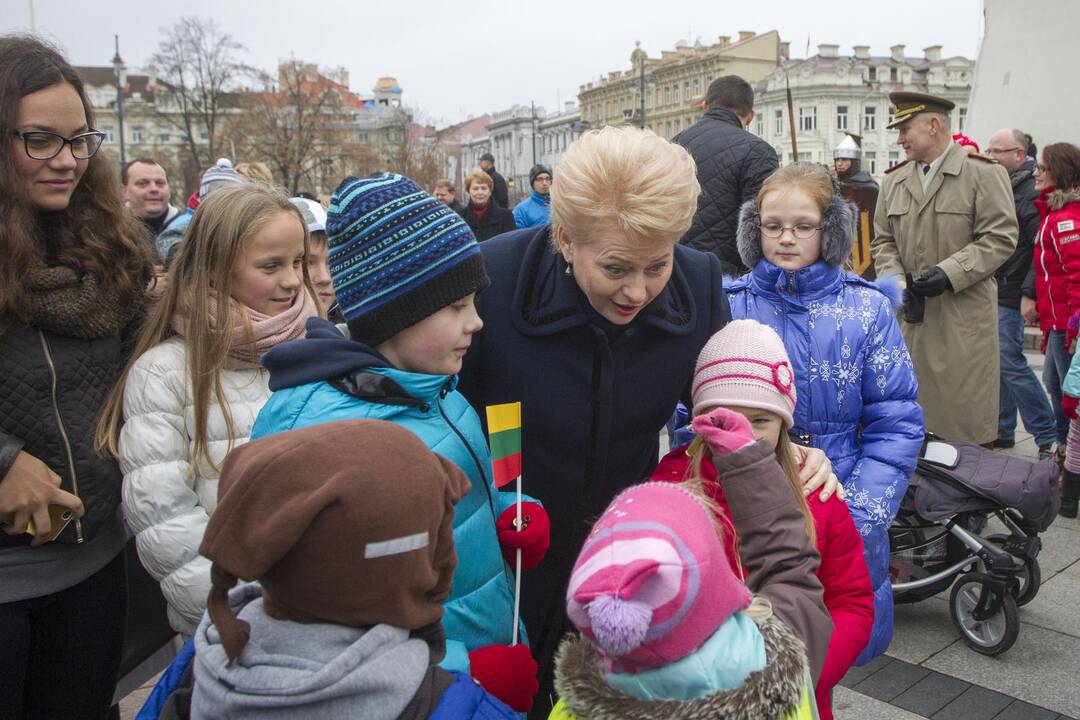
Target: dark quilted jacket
731, 165
85, 371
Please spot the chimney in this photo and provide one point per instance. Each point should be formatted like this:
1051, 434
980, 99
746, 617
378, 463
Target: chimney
785, 51
725, 40
746, 35
862, 52
897, 52
151, 76
932, 53
828, 51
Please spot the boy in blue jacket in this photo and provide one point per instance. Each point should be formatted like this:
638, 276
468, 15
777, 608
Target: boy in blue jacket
406, 270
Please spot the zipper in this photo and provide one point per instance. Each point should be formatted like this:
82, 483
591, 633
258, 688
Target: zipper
1046, 270
63, 432
791, 282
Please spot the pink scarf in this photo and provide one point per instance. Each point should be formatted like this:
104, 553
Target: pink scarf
259, 333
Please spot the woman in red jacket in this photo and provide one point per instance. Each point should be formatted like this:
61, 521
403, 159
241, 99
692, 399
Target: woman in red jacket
745, 368
1057, 287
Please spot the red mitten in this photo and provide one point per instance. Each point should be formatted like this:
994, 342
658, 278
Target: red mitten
1068, 406
533, 539
724, 431
506, 671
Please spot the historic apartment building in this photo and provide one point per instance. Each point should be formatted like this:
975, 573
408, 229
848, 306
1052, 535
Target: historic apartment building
674, 84
834, 94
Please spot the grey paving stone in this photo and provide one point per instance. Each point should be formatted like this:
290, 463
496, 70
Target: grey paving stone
856, 675
975, 703
1019, 710
930, 694
922, 629
1061, 548
850, 705
1041, 668
1054, 608
891, 680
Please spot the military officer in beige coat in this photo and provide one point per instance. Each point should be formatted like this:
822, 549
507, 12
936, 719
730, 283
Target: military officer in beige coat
944, 223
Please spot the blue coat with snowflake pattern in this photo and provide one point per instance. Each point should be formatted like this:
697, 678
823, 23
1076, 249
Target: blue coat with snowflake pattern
857, 396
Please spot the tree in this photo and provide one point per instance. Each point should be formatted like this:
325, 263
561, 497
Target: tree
301, 125
202, 66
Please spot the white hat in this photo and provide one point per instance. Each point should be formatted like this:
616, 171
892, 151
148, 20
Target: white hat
314, 214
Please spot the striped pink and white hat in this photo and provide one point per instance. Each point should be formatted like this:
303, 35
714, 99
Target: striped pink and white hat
652, 582
745, 364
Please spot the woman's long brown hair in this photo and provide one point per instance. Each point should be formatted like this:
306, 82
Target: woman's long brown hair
199, 275
95, 234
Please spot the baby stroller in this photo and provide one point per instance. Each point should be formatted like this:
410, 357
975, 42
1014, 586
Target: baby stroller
937, 539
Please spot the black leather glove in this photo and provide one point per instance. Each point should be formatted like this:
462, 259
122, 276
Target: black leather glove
932, 283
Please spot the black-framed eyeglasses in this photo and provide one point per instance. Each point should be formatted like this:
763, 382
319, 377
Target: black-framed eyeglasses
43, 145
802, 231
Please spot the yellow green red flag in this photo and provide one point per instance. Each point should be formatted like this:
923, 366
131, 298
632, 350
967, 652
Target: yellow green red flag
504, 435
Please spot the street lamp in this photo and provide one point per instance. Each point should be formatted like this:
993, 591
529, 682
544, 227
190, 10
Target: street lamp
118, 68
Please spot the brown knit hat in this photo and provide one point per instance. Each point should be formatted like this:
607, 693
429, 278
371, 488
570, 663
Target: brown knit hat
347, 523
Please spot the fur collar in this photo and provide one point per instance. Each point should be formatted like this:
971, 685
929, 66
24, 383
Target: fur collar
837, 232
766, 694
1060, 198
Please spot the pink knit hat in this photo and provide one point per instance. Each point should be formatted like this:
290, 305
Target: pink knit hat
652, 582
745, 364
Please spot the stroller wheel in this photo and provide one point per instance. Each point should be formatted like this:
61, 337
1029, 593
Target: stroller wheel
1029, 580
972, 598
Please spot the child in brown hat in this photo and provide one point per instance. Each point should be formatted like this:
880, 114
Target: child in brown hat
347, 527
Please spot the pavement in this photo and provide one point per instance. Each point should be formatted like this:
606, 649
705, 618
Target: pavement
928, 671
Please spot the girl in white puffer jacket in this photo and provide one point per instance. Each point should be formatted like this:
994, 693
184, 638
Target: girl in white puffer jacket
237, 287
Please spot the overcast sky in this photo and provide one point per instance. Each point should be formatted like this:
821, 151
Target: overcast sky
454, 60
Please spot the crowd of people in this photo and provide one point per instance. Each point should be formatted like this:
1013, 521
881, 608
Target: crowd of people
281, 402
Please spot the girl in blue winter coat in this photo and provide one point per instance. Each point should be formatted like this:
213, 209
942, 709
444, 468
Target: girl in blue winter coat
856, 385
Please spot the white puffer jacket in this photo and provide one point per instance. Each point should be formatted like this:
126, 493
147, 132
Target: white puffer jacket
167, 499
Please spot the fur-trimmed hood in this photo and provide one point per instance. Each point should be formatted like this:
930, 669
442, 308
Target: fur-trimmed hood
837, 232
1060, 198
766, 695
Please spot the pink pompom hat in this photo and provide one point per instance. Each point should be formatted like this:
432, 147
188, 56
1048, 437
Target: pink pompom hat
652, 582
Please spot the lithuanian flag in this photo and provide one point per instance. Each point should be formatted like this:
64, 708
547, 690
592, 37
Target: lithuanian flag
504, 434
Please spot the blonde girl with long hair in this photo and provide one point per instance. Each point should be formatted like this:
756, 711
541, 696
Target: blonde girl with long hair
745, 369
237, 287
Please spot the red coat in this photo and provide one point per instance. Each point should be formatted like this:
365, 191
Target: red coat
1057, 258
849, 598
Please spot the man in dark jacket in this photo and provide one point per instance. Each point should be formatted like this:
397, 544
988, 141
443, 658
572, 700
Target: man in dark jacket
732, 163
1020, 388
501, 192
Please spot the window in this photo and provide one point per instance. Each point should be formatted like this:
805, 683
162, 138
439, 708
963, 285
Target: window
667, 95
759, 126
108, 135
164, 136
697, 86
686, 90
871, 162
204, 135
362, 137
841, 117
136, 135
869, 118
779, 122
962, 119
889, 112
892, 74
807, 119
806, 157
894, 157
676, 93
871, 74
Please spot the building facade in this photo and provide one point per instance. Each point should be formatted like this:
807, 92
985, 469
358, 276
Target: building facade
674, 84
836, 94
557, 131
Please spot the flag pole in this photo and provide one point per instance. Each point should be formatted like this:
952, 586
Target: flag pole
517, 569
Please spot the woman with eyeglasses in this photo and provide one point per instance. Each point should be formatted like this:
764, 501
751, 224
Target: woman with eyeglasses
853, 376
72, 275
1057, 292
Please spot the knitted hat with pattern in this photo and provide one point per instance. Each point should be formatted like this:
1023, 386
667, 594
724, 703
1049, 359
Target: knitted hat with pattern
219, 175
652, 582
745, 364
397, 255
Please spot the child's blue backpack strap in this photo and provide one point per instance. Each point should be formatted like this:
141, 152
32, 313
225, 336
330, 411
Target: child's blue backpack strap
169, 682
466, 700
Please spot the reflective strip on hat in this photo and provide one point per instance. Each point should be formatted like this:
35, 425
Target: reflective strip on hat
397, 546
